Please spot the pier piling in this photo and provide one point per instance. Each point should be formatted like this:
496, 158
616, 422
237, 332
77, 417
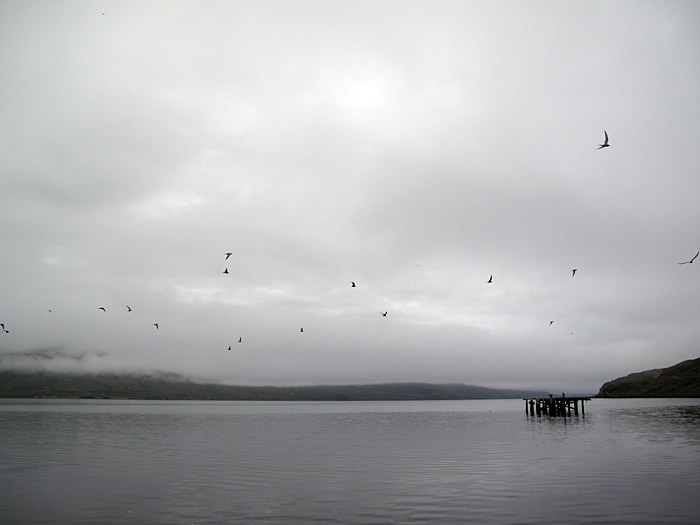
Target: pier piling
555, 406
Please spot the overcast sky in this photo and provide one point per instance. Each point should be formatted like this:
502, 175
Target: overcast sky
415, 148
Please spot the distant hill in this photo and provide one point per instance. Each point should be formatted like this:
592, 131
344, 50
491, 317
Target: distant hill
105, 386
681, 380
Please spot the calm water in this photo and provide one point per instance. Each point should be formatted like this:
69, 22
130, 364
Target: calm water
627, 461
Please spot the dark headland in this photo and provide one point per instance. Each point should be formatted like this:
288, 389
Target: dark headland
14, 384
681, 380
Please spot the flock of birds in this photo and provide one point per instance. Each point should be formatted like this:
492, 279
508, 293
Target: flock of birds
353, 284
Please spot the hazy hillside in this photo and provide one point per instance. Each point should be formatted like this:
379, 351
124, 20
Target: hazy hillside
42, 384
681, 380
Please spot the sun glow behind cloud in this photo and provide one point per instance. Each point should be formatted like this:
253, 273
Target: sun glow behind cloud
361, 97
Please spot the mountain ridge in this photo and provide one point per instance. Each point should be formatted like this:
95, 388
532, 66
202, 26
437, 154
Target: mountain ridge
16, 384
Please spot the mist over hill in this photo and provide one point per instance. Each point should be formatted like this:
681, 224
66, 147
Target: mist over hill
17, 384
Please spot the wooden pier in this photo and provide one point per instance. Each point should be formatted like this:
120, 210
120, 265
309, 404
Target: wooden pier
554, 406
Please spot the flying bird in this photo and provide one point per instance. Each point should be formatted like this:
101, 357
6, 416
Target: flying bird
490, 280
128, 308
384, 313
605, 143
228, 254
550, 323
240, 339
156, 325
229, 348
573, 272
691, 260
353, 284
102, 308
225, 271
301, 329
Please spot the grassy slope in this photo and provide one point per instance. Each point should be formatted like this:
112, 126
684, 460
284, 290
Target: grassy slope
681, 380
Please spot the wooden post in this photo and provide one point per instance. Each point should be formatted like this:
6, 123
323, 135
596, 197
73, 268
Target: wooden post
554, 407
564, 404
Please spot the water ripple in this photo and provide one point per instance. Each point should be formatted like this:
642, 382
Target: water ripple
360, 463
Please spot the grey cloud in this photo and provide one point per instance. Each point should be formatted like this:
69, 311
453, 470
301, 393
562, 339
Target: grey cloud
414, 148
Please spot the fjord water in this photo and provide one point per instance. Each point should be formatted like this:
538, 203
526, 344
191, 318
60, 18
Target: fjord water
88, 461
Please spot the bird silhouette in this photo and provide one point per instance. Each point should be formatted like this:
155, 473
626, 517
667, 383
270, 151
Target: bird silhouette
228, 254
156, 325
353, 284
301, 329
384, 313
550, 323
605, 143
229, 348
240, 339
128, 308
490, 280
691, 260
102, 308
573, 271
225, 271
